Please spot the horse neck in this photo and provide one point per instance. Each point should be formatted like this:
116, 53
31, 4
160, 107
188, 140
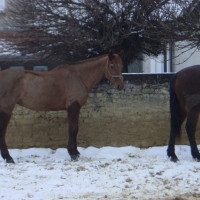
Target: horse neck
92, 73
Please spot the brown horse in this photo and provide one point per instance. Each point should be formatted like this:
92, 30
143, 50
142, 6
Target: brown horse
184, 102
64, 88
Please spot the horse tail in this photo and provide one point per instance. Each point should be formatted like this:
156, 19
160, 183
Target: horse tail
175, 109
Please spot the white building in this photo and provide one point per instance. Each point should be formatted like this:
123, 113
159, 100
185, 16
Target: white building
173, 61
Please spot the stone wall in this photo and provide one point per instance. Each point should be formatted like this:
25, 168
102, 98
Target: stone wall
138, 115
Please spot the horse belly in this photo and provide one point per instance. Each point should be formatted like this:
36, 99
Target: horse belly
42, 94
41, 104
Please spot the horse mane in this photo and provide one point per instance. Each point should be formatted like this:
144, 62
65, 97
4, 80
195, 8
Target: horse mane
88, 60
80, 62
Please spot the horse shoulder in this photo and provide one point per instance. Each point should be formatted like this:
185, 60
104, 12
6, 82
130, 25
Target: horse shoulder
74, 87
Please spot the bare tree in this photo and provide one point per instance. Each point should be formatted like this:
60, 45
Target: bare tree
70, 30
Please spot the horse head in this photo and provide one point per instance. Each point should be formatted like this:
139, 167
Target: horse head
114, 69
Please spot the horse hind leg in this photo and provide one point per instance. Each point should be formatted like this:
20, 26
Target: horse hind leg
4, 119
191, 123
177, 120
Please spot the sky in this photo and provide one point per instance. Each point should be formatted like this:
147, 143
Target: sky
1, 4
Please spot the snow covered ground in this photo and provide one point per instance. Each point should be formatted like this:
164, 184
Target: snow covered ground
105, 173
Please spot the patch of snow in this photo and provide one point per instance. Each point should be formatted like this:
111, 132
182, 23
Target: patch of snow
100, 173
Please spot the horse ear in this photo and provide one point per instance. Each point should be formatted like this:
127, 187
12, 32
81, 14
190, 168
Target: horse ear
111, 54
120, 54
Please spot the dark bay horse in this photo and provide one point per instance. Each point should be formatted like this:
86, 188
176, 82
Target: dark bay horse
184, 102
64, 88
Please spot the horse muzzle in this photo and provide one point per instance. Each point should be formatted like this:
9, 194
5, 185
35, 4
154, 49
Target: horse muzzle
120, 87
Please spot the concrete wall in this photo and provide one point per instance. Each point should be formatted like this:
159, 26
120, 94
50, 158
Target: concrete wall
137, 115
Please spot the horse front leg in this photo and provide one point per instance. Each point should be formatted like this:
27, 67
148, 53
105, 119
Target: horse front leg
4, 119
73, 119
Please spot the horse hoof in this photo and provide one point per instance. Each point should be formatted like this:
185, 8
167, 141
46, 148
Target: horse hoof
197, 159
74, 158
10, 161
175, 159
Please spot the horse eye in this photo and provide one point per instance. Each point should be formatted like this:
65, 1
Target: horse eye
111, 66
